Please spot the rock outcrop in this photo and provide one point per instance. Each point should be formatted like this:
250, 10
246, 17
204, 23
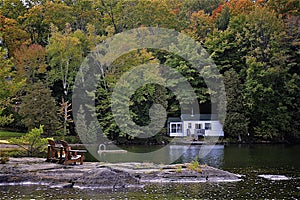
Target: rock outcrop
106, 175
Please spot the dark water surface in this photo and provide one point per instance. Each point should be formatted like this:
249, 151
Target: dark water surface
248, 160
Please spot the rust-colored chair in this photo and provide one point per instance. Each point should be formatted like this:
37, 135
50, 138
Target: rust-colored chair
72, 156
55, 152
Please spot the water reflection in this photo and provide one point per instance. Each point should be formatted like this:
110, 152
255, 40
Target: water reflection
249, 160
212, 155
262, 156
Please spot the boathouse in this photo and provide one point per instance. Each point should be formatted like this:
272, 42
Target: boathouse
195, 125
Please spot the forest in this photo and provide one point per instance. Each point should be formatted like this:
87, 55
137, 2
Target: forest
254, 44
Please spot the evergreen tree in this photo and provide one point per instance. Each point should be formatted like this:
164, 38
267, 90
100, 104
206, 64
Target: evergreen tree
37, 144
236, 124
88, 133
38, 108
223, 21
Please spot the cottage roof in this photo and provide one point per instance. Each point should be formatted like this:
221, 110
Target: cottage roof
199, 117
174, 119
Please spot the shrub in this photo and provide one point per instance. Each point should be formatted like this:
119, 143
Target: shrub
32, 142
194, 165
178, 169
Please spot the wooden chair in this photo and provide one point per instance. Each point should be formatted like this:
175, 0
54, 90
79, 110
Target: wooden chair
72, 156
55, 152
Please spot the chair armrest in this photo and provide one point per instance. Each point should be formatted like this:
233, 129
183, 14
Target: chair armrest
78, 151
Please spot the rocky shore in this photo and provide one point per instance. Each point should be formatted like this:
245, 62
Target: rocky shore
106, 175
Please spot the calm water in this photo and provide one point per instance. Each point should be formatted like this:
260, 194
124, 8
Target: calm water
249, 160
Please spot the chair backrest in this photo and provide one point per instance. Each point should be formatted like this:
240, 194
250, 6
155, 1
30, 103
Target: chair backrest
51, 143
64, 143
53, 148
67, 149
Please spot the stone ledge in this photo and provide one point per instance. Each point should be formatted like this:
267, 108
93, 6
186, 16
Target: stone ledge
106, 175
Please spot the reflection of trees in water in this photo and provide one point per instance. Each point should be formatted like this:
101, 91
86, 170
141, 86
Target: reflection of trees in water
212, 155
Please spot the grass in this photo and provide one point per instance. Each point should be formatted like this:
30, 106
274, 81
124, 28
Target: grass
4, 135
178, 169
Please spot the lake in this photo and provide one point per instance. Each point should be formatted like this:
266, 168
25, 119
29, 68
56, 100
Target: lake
247, 160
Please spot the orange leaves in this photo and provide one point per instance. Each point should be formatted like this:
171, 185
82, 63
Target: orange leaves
217, 12
30, 60
13, 35
236, 7
201, 25
240, 6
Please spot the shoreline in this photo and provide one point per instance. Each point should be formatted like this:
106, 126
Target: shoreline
107, 175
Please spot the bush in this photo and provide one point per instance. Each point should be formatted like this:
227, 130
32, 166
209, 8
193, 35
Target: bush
73, 139
194, 165
32, 142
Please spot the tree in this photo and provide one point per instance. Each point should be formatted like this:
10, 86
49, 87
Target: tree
38, 108
10, 84
226, 51
236, 124
34, 23
13, 8
65, 113
293, 81
265, 100
32, 141
84, 13
285, 8
13, 35
238, 7
191, 6
201, 25
261, 64
88, 130
66, 52
267, 75
223, 20
125, 15
30, 62
57, 13
139, 102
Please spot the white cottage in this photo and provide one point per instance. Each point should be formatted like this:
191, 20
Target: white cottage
195, 125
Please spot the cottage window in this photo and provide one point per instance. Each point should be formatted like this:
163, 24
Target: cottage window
198, 126
173, 128
189, 125
207, 126
179, 129
176, 128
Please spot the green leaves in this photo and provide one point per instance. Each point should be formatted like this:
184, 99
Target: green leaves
10, 84
255, 45
236, 123
65, 51
38, 108
32, 142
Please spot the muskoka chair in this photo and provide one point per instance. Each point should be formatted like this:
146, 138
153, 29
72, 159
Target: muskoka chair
72, 156
55, 152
